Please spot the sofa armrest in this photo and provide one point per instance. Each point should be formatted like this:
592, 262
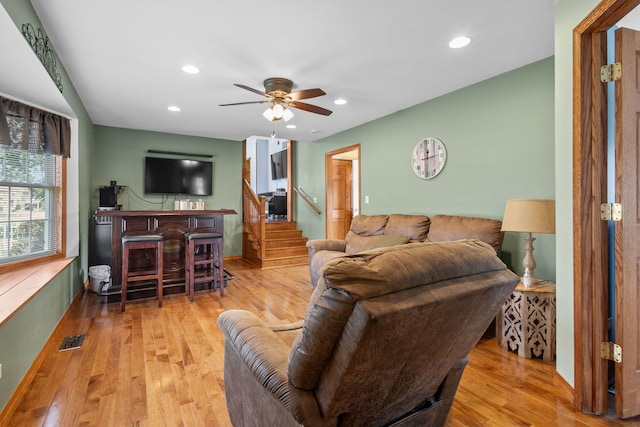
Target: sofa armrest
325, 245
335, 246
251, 346
259, 348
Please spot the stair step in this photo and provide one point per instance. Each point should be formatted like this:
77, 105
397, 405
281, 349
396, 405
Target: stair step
283, 225
285, 243
286, 252
283, 234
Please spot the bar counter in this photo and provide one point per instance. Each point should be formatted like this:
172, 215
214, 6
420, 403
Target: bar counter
172, 225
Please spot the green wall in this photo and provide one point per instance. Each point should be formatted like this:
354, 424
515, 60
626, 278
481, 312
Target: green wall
568, 15
24, 335
499, 136
122, 152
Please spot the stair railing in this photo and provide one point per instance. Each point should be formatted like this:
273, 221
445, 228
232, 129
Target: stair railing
304, 197
253, 218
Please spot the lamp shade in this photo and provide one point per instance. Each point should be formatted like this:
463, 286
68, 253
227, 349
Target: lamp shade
530, 216
278, 111
268, 114
287, 115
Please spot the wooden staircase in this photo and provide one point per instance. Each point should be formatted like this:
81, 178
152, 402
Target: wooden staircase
269, 243
283, 245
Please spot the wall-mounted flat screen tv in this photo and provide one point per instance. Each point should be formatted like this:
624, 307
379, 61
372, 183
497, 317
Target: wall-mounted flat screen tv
177, 176
279, 165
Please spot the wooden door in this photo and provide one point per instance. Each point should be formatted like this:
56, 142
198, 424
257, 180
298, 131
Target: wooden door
590, 260
627, 231
339, 174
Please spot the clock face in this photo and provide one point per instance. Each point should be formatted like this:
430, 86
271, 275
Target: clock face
428, 158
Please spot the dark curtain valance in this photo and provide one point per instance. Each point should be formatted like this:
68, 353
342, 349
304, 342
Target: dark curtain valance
31, 129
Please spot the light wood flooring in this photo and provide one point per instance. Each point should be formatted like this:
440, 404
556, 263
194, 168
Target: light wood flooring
164, 366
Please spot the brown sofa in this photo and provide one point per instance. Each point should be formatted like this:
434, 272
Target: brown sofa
384, 341
373, 231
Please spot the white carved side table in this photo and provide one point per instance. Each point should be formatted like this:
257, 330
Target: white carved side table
527, 321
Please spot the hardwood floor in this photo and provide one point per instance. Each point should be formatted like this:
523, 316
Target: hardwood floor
155, 366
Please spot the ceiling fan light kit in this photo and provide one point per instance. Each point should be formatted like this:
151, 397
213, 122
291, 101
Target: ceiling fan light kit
277, 112
278, 91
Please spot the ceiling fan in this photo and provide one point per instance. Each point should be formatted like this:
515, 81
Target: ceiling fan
278, 92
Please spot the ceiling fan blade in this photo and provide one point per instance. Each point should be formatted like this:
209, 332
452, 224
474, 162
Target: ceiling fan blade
250, 89
310, 108
306, 94
243, 103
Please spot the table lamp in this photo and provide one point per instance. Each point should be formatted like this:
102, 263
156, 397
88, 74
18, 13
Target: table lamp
529, 216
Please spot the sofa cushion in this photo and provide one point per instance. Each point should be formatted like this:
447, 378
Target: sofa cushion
446, 228
396, 268
389, 240
369, 225
415, 227
356, 243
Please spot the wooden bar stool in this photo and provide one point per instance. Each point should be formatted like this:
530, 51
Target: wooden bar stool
203, 250
146, 242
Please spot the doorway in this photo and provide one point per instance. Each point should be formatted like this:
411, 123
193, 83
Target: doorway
268, 168
342, 183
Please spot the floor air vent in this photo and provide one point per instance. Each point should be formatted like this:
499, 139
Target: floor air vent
74, 341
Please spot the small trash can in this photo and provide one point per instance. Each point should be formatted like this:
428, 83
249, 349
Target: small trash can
100, 278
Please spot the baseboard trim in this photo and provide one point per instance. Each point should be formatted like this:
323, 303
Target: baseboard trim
564, 386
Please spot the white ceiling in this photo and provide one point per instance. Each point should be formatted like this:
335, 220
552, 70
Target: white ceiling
124, 57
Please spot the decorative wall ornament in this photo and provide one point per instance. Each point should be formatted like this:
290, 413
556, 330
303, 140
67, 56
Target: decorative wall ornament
39, 42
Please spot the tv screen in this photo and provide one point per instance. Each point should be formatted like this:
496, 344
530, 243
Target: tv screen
279, 165
177, 176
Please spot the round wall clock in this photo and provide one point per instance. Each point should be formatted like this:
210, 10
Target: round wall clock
428, 158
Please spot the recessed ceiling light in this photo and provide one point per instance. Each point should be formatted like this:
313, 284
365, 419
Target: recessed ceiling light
191, 69
291, 126
314, 131
340, 101
173, 108
459, 42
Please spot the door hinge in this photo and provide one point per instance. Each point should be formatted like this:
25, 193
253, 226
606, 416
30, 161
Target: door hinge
611, 351
610, 72
611, 211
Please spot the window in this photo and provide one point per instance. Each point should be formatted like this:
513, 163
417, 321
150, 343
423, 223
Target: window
30, 205
33, 145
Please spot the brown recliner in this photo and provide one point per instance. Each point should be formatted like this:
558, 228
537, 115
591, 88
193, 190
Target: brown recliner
384, 341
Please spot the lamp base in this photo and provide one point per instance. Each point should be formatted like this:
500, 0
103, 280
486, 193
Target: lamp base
529, 262
528, 282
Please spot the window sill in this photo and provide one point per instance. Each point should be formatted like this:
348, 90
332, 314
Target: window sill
19, 286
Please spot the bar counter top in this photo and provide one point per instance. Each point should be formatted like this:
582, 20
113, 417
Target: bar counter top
185, 212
